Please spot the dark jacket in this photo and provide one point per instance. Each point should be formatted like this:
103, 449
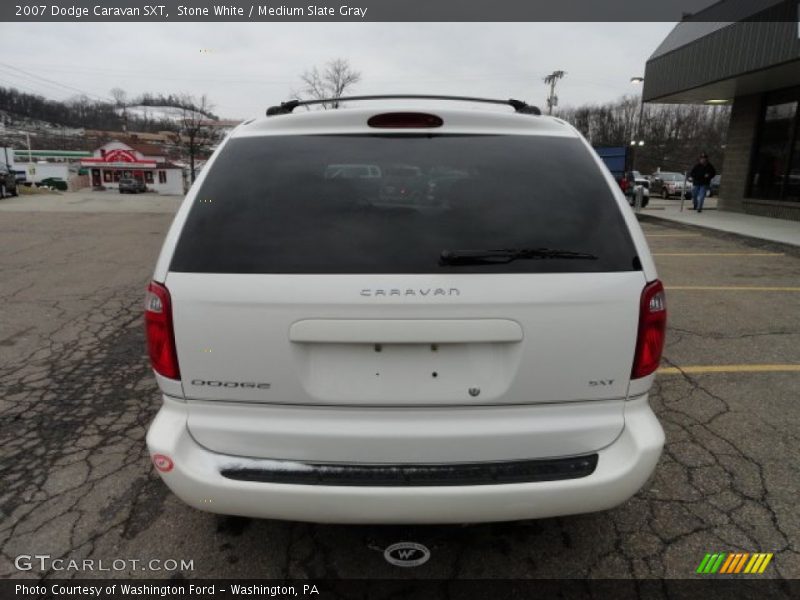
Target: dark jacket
702, 174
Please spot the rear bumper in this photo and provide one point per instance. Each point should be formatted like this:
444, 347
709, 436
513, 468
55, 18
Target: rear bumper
196, 478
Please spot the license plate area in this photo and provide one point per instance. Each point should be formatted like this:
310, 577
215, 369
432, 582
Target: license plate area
381, 373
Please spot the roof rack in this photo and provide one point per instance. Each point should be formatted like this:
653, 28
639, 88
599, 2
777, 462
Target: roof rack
519, 106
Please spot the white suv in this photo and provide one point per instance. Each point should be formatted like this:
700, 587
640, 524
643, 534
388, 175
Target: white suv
478, 349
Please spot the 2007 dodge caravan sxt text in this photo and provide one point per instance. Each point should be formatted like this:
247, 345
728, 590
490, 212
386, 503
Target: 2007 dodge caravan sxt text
405, 316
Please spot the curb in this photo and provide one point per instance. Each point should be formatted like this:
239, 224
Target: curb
750, 240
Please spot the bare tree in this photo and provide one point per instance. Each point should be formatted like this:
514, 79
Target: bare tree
121, 102
120, 97
195, 132
335, 78
673, 133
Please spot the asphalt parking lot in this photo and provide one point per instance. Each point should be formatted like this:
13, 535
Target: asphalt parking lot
76, 397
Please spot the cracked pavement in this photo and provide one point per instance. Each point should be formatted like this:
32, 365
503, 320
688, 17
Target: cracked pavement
77, 395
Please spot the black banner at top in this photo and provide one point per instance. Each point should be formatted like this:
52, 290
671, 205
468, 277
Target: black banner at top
396, 10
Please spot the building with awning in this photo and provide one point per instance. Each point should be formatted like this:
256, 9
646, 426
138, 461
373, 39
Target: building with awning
117, 160
733, 53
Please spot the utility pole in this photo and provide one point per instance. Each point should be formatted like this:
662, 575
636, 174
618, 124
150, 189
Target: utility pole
552, 99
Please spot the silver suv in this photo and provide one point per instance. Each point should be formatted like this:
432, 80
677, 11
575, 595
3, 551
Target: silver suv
475, 344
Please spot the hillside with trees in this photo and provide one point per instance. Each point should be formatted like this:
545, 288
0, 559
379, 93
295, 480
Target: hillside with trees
673, 134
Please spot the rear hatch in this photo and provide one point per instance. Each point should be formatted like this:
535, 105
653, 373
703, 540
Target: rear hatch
290, 286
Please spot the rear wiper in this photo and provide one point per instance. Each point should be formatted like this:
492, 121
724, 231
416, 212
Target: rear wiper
506, 255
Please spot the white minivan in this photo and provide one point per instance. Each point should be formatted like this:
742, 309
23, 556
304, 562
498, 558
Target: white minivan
478, 349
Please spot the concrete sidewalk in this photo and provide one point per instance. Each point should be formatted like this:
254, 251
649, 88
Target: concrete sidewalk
764, 228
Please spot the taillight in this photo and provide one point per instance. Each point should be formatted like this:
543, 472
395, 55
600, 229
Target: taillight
160, 336
652, 330
404, 120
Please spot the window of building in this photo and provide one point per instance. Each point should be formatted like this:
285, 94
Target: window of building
162, 177
107, 176
775, 174
148, 177
116, 176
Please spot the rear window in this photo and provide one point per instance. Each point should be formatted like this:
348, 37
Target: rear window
393, 204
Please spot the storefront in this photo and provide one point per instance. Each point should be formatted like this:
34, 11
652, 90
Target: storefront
775, 174
754, 66
116, 160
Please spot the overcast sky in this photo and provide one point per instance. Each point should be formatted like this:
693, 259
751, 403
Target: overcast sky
248, 66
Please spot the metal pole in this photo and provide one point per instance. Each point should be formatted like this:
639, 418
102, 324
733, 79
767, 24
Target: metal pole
638, 134
683, 191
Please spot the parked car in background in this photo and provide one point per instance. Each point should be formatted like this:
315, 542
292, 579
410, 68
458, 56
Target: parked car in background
401, 184
8, 181
489, 360
629, 183
352, 172
667, 184
713, 189
55, 183
131, 186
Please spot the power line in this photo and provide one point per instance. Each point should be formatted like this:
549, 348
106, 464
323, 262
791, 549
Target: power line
14, 84
40, 89
53, 82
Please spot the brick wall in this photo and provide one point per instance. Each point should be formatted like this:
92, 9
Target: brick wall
742, 129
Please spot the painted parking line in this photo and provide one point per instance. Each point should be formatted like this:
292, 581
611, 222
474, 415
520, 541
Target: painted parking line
671, 235
696, 369
731, 288
718, 254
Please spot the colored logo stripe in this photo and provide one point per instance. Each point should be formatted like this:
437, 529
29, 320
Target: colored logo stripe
727, 564
734, 563
711, 563
758, 563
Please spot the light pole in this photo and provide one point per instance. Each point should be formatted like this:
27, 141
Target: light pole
637, 139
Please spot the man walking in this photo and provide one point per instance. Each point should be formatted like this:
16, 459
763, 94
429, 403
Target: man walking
702, 174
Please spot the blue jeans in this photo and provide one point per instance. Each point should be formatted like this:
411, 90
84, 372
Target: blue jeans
699, 196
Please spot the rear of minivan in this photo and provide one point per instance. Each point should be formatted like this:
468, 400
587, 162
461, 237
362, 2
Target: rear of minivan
467, 332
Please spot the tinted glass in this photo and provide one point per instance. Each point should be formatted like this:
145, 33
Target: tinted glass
392, 204
774, 175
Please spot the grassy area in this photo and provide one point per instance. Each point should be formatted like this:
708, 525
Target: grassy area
32, 190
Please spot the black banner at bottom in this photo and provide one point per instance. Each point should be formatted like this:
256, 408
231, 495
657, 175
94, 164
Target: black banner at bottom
396, 589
